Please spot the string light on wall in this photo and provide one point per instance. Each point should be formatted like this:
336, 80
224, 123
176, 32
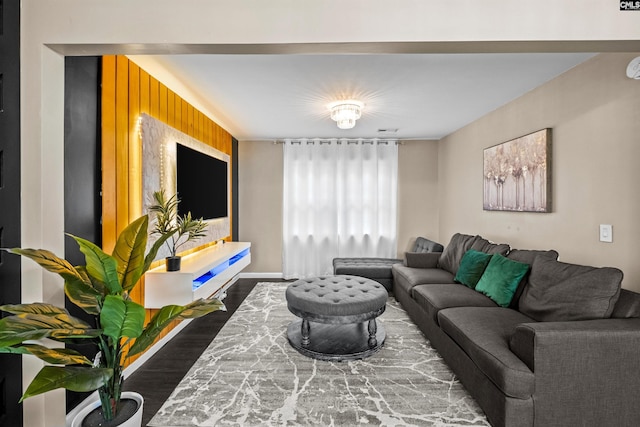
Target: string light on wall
345, 113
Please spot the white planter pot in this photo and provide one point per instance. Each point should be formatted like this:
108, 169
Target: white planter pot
134, 421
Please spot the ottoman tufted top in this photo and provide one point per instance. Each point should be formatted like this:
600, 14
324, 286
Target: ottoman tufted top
336, 296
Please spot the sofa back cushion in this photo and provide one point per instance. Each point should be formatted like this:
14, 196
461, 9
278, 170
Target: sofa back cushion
422, 245
527, 256
452, 254
628, 305
483, 245
559, 291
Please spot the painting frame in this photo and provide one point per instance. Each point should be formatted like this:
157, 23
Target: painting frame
517, 174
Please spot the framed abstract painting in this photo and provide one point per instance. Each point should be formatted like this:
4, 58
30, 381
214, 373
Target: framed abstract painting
517, 174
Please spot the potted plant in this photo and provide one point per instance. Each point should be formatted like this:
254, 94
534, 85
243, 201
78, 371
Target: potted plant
181, 229
100, 288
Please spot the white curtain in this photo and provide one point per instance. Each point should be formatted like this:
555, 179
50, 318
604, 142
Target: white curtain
340, 200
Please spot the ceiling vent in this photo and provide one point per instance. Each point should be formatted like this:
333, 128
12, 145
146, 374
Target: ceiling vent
387, 132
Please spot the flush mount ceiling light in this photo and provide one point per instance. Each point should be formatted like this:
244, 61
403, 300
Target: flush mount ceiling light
633, 69
345, 113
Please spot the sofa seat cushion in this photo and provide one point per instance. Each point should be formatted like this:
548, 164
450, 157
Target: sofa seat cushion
483, 333
372, 268
433, 298
406, 278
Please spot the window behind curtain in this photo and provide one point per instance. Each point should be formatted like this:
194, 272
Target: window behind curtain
340, 200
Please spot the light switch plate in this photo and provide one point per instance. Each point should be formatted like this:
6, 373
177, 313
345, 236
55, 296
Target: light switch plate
606, 233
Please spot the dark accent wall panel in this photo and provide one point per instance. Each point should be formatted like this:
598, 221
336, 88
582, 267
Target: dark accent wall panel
235, 190
10, 289
82, 173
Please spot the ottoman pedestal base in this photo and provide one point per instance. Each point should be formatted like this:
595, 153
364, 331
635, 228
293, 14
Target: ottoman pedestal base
336, 342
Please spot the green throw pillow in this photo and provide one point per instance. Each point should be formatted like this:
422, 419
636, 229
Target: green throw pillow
471, 267
501, 278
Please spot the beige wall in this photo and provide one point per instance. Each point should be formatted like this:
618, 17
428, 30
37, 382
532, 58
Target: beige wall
260, 198
260, 203
417, 192
593, 111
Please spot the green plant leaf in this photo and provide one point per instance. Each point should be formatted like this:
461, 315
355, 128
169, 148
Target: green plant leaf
56, 356
34, 308
82, 295
193, 229
100, 265
129, 252
69, 377
121, 318
49, 261
201, 307
166, 211
160, 321
14, 350
33, 326
153, 251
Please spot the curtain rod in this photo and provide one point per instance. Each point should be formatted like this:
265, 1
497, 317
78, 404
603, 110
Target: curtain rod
340, 140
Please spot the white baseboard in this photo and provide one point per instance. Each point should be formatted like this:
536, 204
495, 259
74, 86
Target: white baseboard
261, 275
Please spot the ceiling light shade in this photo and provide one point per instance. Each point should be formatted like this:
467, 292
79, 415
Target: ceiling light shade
345, 113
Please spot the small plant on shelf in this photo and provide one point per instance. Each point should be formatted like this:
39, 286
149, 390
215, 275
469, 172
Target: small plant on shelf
182, 229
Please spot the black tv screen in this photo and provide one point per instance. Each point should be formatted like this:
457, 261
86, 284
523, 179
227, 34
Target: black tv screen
201, 184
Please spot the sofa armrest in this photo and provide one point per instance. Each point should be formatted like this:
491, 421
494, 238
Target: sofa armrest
583, 369
421, 259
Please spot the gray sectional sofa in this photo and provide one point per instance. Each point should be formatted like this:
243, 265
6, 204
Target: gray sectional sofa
379, 269
537, 342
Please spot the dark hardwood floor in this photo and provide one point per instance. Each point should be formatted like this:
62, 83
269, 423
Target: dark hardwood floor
159, 376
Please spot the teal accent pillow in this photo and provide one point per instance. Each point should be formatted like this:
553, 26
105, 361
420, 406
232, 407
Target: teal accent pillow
472, 266
501, 278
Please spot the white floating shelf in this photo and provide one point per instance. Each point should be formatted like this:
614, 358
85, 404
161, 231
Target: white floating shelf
202, 274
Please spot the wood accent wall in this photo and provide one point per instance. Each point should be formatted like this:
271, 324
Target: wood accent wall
127, 92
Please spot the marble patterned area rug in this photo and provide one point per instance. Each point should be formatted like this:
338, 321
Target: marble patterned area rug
250, 376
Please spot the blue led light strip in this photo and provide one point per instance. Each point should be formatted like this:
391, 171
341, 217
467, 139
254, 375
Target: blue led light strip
197, 283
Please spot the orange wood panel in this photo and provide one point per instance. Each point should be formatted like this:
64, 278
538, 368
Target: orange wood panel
154, 93
108, 107
185, 117
135, 157
162, 99
144, 92
135, 145
171, 115
190, 120
214, 136
122, 143
177, 111
196, 125
200, 126
211, 126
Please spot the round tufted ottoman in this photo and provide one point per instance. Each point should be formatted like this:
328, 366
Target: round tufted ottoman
337, 317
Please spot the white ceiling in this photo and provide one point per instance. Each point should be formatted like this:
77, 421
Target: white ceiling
424, 96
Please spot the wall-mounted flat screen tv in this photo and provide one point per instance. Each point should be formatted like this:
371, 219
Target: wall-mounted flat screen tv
202, 184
